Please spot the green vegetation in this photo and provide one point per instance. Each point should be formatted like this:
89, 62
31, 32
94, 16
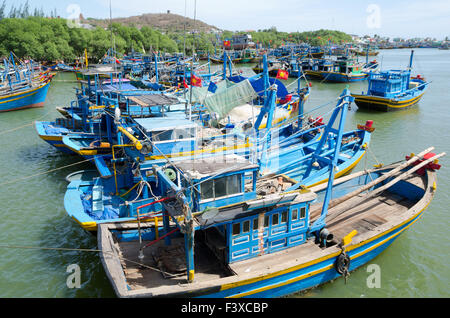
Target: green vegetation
51, 39
273, 37
33, 34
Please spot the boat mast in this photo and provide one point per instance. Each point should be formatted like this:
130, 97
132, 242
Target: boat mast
344, 100
411, 59
192, 61
265, 77
300, 100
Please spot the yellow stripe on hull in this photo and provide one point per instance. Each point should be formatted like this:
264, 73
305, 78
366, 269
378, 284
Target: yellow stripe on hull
198, 152
386, 103
30, 92
286, 271
343, 172
53, 138
91, 226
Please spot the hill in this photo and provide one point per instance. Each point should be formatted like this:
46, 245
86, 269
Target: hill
164, 22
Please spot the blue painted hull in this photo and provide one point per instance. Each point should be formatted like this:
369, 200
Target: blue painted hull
317, 274
390, 103
28, 98
54, 138
343, 78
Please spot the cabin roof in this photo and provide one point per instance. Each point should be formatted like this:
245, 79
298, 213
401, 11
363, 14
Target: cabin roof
117, 87
199, 168
101, 69
162, 123
226, 215
154, 100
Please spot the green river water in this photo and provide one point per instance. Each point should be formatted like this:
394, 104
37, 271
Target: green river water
32, 196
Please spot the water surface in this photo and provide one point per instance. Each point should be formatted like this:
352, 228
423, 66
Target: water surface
32, 210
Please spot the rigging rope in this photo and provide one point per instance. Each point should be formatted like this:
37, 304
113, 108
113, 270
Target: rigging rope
84, 250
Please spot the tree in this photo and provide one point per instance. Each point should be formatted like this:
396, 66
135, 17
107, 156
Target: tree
2, 10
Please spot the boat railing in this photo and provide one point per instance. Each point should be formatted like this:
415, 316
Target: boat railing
412, 89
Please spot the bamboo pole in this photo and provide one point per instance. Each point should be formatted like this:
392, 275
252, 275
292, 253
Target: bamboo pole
380, 179
340, 210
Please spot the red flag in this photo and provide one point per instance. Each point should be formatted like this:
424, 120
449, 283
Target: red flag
184, 84
196, 81
282, 74
227, 43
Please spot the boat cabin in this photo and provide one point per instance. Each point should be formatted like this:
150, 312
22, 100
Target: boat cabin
170, 134
389, 83
229, 213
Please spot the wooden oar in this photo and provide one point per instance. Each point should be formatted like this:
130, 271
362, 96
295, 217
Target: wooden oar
339, 210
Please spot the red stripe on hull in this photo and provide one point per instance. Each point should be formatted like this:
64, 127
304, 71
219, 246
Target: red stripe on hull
24, 107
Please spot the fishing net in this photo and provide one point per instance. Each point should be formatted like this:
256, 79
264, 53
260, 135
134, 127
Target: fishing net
199, 94
223, 101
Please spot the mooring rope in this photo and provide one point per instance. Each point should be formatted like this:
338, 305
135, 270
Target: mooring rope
83, 250
44, 172
25, 125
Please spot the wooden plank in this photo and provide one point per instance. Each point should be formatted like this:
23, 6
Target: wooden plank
137, 101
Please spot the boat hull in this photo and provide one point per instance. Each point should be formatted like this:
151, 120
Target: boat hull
54, 139
385, 104
332, 77
29, 98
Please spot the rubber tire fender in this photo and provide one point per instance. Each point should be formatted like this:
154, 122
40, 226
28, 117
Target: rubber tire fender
342, 263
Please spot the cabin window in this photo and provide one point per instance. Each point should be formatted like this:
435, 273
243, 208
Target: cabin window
294, 214
248, 181
220, 187
236, 228
246, 227
266, 221
255, 224
234, 184
184, 133
207, 189
162, 135
275, 219
174, 134
302, 212
216, 188
284, 217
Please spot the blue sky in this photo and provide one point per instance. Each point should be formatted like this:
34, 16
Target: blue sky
404, 18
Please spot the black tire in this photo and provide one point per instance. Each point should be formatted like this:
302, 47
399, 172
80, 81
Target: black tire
342, 263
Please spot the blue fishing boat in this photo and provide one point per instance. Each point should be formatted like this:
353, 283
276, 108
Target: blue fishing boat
219, 238
341, 70
283, 152
86, 120
33, 95
21, 87
392, 90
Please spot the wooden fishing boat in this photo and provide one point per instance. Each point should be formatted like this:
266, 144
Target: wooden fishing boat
270, 245
282, 152
392, 90
343, 70
28, 97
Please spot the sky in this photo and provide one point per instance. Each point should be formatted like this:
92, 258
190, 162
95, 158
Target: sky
390, 18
